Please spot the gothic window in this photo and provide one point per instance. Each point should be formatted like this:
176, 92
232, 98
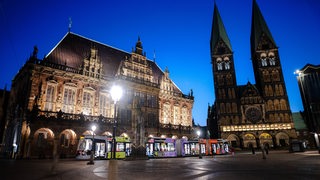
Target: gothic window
229, 79
272, 60
276, 105
281, 117
234, 108
266, 90
230, 94
228, 107
263, 58
270, 105
275, 75
219, 64
286, 116
233, 93
270, 90
222, 108
220, 80
69, 100
281, 93
276, 117
266, 76
283, 105
104, 106
271, 118
49, 103
87, 103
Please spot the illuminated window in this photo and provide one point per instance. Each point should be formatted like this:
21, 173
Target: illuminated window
68, 100
49, 103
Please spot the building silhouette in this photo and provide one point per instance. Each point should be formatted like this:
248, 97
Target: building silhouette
309, 85
55, 100
253, 114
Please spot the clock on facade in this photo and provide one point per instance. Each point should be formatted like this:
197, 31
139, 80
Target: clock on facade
253, 114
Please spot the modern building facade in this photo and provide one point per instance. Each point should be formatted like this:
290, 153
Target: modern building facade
253, 114
309, 85
55, 100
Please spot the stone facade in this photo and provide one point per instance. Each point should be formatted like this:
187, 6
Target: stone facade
253, 114
56, 100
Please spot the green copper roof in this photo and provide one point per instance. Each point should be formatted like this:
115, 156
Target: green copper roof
258, 27
218, 31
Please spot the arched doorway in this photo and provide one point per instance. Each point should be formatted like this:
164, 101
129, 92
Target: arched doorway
233, 140
43, 143
266, 140
282, 139
67, 143
249, 140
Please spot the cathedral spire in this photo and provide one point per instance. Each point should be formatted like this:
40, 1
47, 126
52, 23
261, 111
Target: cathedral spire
218, 31
259, 28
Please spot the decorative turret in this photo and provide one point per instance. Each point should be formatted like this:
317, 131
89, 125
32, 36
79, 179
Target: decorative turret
139, 48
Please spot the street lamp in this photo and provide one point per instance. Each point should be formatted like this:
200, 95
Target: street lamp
116, 93
198, 133
91, 162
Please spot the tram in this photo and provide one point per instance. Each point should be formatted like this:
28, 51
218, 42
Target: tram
187, 148
161, 147
217, 146
103, 147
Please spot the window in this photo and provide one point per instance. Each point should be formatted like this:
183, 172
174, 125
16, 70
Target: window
176, 115
49, 103
227, 65
166, 113
104, 106
87, 103
68, 100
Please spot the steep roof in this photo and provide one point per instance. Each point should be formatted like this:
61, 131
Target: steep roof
74, 48
258, 27
218, 30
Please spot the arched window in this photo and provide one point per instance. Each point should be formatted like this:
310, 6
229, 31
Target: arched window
272, 60
263, 58
276, 105
283, 105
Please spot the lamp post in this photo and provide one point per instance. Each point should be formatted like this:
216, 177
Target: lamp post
91, 162
116, 93
199, 133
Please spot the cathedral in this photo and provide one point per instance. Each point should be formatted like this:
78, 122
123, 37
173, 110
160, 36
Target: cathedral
55, 100
249, 115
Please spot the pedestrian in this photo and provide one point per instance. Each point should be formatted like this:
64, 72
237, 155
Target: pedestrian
266, 149
232, 150
263, 152
252, 149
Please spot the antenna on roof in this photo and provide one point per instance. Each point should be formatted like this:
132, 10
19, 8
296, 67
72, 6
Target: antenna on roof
70, 24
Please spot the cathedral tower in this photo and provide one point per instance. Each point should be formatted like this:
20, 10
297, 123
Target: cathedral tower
267, 70
223, 72
249, 115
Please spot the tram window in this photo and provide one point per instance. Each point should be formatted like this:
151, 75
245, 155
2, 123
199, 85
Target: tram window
120, 147
171, 147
